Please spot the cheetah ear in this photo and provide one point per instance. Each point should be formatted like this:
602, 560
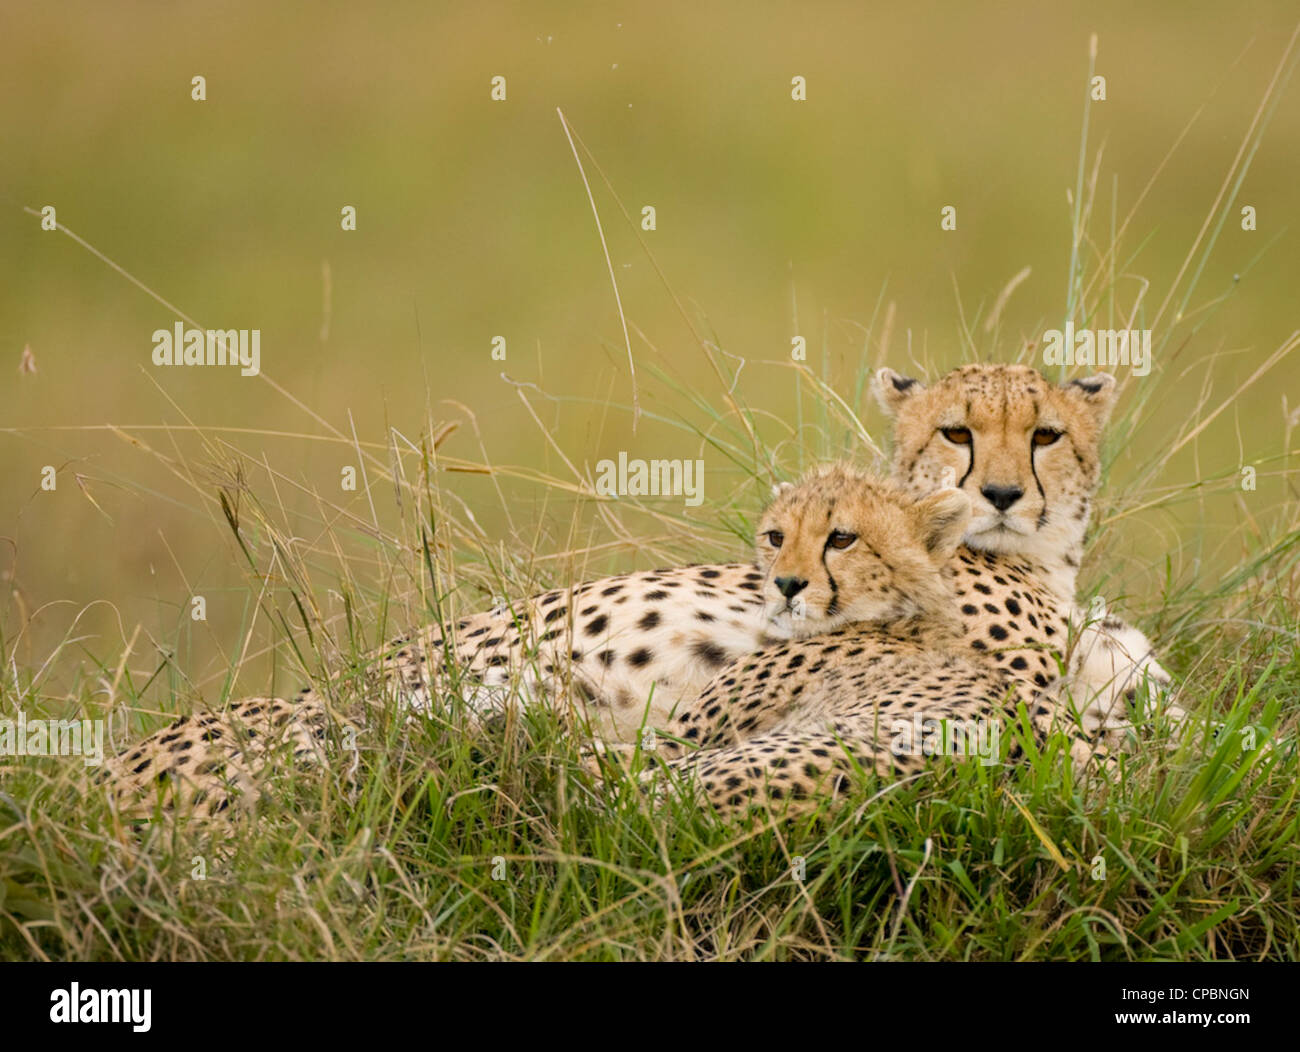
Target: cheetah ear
941, 520
1097, 393
893, 389
780, 488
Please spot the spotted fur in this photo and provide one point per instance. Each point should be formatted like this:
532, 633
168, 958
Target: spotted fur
1008, 436
784, 726
627, 650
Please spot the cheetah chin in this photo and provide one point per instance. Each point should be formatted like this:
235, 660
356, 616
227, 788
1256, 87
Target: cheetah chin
781, 623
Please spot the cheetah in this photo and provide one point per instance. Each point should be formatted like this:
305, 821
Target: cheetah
1026, 452
629, 649
891, 629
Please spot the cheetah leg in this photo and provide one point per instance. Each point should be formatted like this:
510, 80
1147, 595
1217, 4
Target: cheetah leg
1110, 664
207, 766
733, 708
720, 717
785, 771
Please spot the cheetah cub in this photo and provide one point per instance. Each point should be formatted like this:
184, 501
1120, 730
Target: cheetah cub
883, 659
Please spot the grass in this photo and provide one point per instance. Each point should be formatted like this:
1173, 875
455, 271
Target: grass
434, 842
488, 845
456, 846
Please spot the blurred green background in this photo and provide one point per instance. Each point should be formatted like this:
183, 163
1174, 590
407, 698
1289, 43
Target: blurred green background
775, 218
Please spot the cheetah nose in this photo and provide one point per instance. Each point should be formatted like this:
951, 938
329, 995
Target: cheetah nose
790, 586
1002, 497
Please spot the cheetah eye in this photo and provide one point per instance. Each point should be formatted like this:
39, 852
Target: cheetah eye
775, 538
1045, 436
841, 539
958, 436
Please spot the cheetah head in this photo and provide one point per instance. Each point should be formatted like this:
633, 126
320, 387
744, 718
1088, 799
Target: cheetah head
840, 546
1025, 450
